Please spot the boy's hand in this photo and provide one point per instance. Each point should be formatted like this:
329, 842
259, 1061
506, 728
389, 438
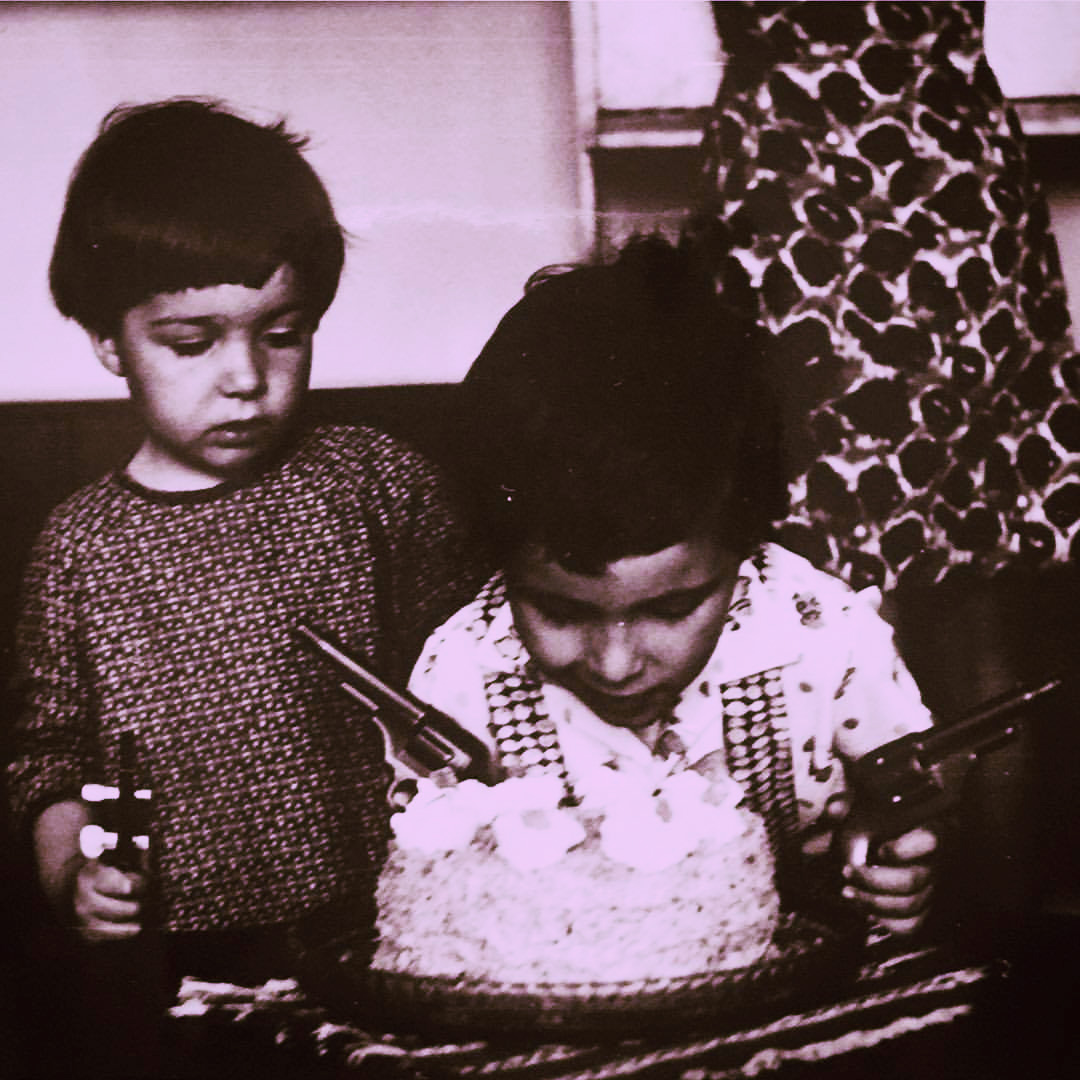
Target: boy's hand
108, 902
895, 890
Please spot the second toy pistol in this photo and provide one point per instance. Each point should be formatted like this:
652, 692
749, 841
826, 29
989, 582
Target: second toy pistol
900, 785
419, 740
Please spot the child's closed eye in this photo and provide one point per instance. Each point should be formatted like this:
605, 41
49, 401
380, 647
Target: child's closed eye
673, 609
558, 613
195, 347
676, 606
287, 338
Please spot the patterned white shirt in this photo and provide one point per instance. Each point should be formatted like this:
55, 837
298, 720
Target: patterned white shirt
838, 688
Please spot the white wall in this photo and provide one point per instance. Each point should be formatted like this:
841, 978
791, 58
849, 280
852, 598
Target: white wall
1034, 46
1034, 49
444, 131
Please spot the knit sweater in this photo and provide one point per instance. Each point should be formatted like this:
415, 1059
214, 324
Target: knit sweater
169, 614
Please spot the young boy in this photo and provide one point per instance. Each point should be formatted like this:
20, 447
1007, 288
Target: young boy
623, 460
199, 251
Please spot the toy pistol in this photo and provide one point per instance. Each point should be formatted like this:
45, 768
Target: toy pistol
418, 740
120, 829
900, 786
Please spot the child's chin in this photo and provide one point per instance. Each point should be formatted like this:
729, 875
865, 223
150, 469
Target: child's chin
634, 715
241, 458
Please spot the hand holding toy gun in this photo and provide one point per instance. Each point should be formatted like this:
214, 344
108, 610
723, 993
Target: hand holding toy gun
900, 785
419, 740
120, 830
110, 889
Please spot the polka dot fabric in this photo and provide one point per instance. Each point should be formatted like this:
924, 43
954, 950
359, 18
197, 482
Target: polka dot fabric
520, 726
800, 657
524, 732
867, 191
759, 750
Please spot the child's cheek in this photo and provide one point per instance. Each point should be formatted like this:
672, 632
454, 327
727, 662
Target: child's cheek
564, 649
553, 648
683, 648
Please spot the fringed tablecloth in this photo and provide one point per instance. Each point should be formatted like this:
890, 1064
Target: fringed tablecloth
889, 1001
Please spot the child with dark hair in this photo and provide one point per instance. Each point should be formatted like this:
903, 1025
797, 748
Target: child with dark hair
623, 461
199, 251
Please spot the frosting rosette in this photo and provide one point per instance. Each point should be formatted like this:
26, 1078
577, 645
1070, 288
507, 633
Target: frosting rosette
634, 878
440, 819
523, 812
654, 830
641, 826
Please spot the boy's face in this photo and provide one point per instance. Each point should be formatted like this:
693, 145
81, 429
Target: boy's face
627, 642
217, 375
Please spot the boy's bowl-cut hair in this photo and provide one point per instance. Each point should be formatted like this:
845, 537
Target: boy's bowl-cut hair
185, 194
618, 410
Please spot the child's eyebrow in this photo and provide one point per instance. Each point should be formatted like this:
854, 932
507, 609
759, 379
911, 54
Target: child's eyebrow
211, 320
572, 604
185, 320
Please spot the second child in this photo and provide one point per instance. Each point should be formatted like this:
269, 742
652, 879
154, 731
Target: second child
623, 463
199, 250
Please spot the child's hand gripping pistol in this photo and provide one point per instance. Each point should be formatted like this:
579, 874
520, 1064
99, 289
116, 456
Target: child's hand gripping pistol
419, 740
913, 780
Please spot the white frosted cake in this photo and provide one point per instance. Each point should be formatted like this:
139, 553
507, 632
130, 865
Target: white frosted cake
506, 885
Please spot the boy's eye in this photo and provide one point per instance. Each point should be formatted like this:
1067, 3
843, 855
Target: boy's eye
191, 348
560, 614
674, 609
286, 338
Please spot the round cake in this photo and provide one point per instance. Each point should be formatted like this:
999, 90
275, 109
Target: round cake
508, 884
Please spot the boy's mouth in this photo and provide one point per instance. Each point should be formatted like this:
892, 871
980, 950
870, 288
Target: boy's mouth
239, 432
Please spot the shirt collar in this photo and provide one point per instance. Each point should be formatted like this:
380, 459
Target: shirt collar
760, 632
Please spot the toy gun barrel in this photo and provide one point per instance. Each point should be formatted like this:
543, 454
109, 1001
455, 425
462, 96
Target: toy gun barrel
419, 740
899, 786
126, 855
987, 727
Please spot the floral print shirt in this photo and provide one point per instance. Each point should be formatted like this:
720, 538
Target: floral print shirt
803, 664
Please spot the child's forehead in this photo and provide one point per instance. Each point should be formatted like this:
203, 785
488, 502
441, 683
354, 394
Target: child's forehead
629, 581
230, 300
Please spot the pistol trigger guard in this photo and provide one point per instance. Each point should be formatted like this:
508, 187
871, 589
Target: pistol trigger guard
401, 791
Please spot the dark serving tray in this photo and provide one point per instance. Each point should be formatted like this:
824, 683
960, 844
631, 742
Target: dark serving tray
808, 960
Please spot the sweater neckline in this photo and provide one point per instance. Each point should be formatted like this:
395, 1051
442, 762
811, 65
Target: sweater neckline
177, 498
199, 496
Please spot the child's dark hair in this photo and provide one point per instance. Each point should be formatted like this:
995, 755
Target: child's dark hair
618, 410
185, 194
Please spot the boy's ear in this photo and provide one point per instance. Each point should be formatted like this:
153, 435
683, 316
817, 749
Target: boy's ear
108, 355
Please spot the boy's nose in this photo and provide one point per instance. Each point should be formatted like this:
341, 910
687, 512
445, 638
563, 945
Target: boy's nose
242, 371
613, 653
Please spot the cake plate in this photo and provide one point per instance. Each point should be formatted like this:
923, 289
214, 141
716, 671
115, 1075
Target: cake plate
808, 959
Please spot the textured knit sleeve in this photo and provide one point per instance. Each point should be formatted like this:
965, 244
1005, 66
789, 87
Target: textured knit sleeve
434, 571
51, 741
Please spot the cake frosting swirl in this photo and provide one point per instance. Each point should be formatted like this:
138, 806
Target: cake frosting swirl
508, 884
